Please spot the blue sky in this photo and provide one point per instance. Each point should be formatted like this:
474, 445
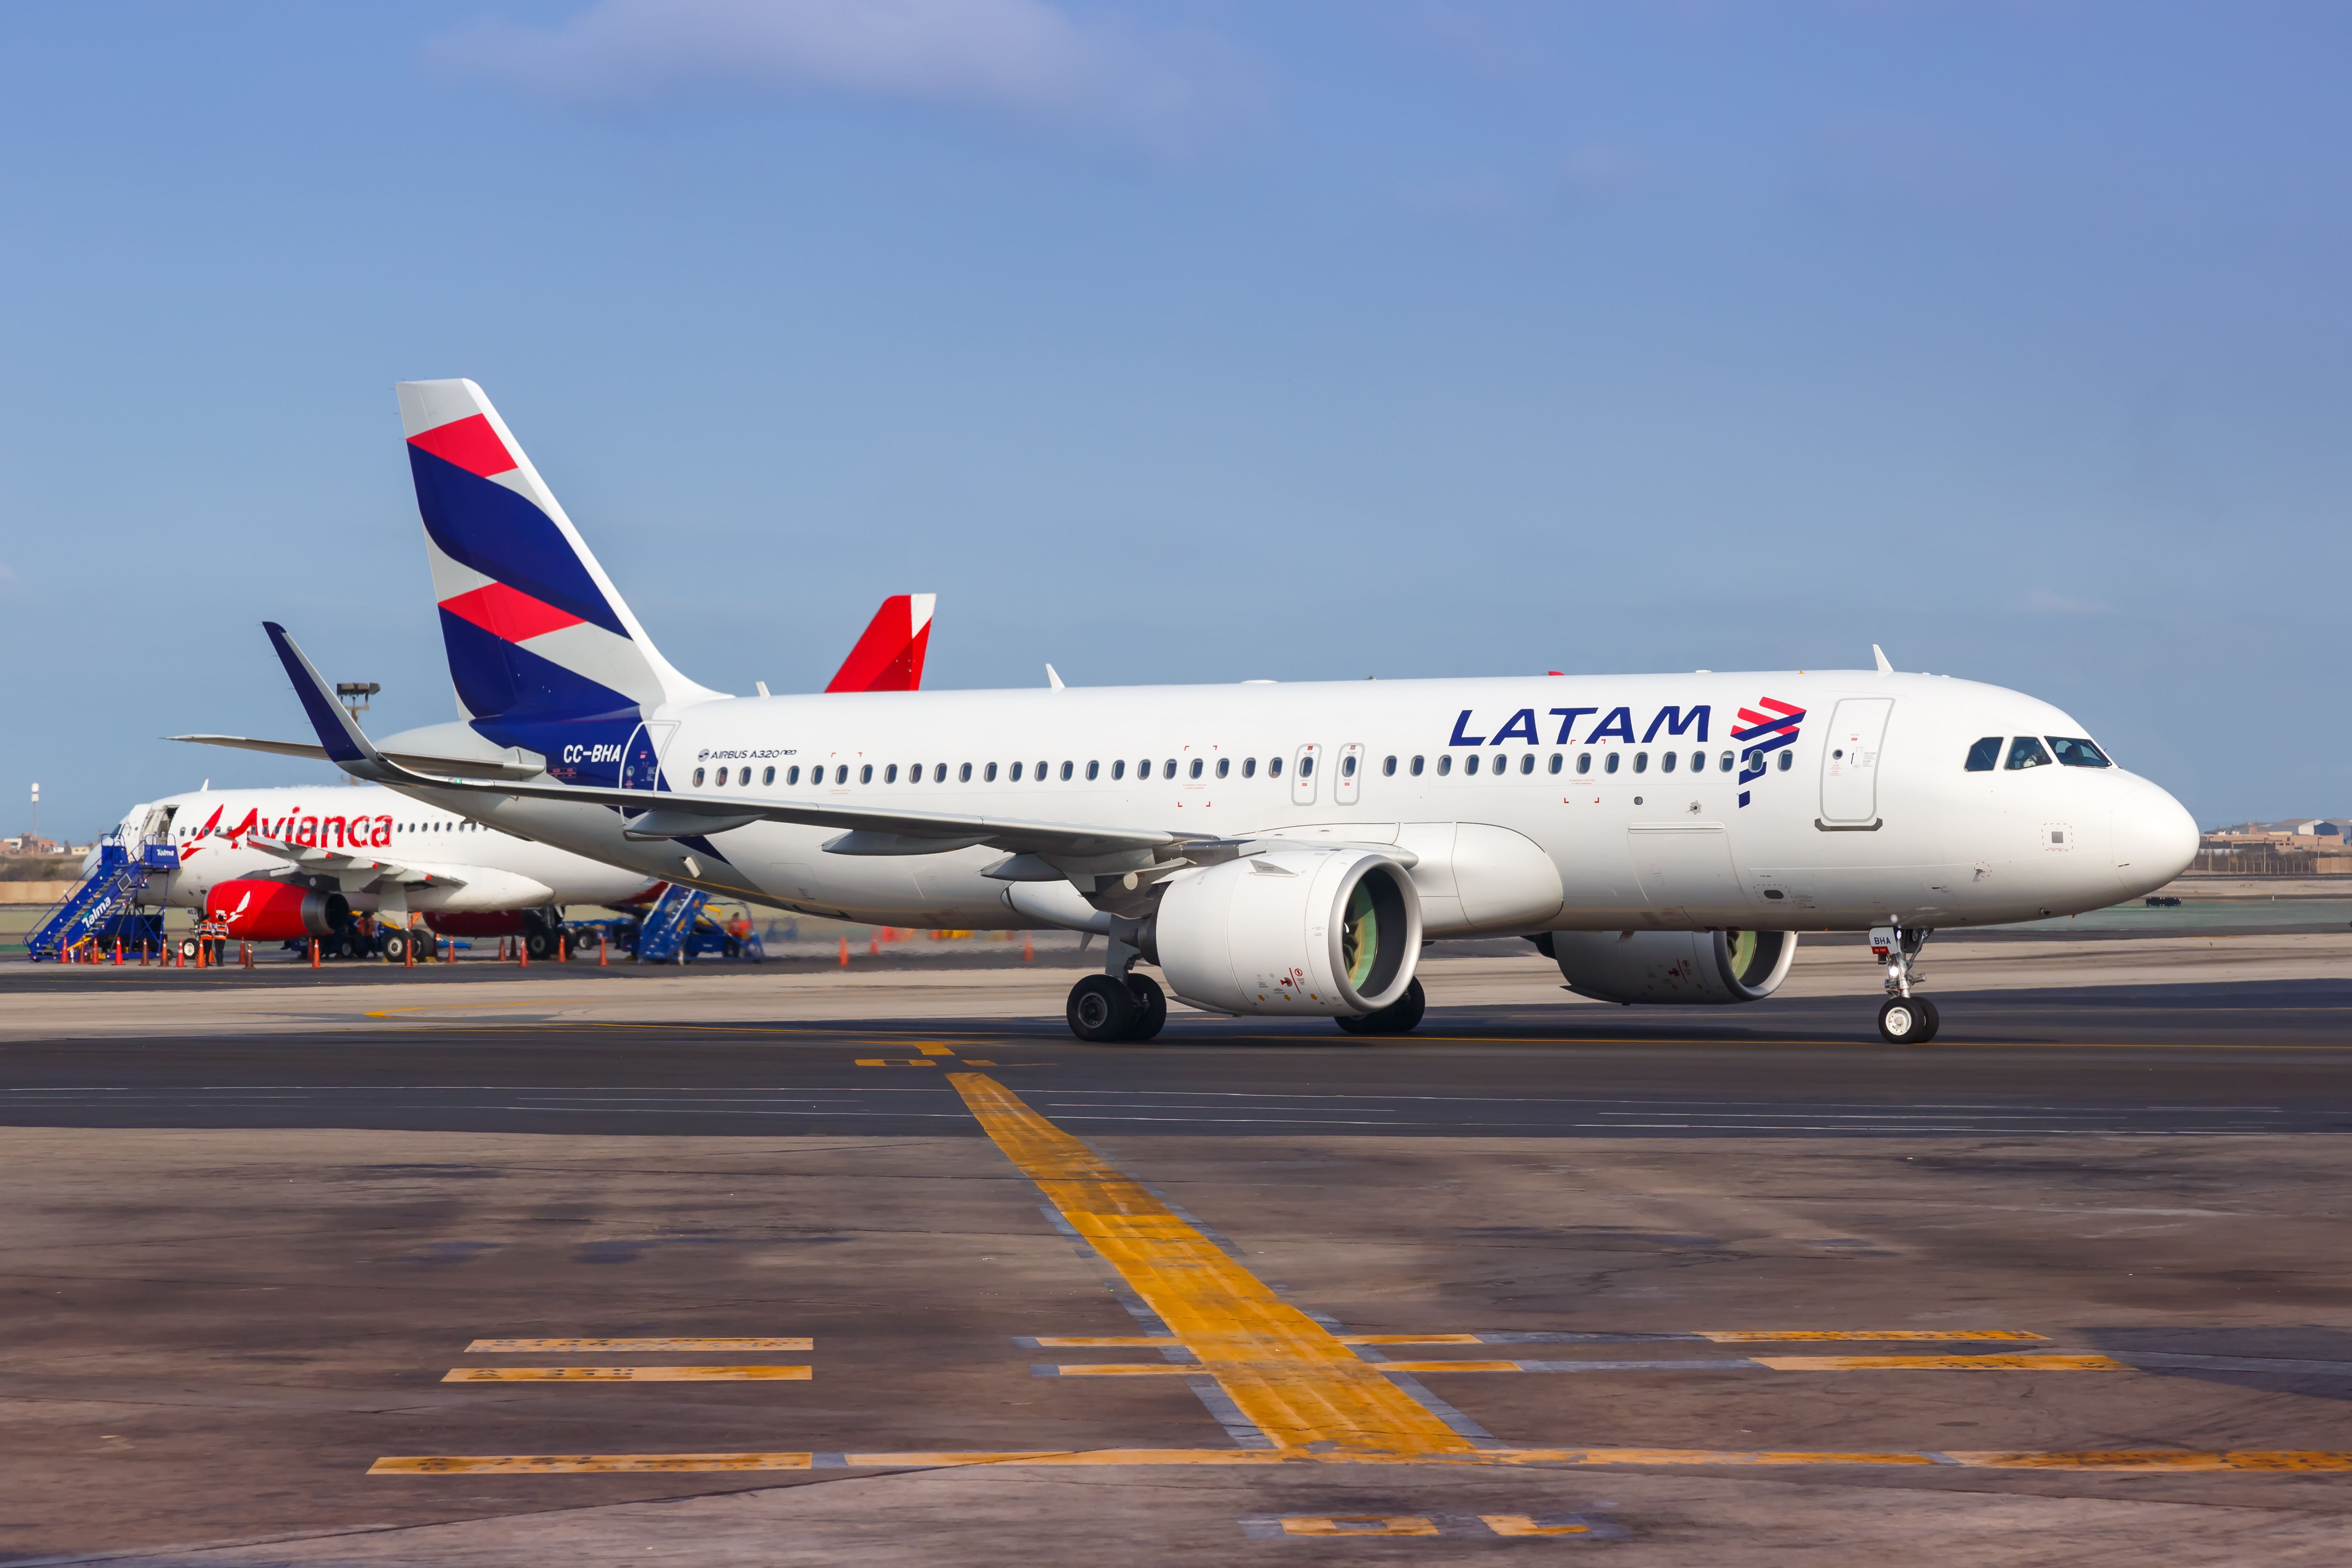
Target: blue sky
1199, 341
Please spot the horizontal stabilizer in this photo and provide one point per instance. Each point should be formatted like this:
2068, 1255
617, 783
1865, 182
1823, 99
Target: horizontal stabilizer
466, 767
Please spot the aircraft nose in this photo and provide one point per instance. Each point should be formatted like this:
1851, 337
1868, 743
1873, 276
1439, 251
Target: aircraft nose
2155, 837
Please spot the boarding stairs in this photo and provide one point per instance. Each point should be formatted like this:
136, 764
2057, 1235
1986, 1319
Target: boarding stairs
663, 933
111, 890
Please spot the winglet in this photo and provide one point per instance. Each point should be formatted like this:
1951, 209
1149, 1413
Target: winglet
1053, 677
338, 731
1880, 655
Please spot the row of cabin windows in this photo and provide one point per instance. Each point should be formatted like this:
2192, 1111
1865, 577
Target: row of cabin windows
1199, 767
2025, 751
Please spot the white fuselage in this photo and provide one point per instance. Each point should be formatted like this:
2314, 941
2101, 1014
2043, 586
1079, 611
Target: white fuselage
1873, 816
473, 866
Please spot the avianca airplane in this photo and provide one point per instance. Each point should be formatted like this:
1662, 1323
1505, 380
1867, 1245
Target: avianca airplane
1270, 848
277, 864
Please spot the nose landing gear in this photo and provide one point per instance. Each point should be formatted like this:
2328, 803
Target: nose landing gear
1903, 1019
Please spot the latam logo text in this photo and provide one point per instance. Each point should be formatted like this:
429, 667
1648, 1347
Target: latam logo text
1762, 734
1616, 724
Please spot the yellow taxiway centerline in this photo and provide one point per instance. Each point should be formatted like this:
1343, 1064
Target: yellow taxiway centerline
1284, 1371
503, 1347
627, 1374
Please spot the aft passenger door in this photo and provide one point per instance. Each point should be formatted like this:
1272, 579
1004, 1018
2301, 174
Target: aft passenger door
1850, 761
641, 761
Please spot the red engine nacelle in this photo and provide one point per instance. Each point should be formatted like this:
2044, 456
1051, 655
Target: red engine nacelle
258, 910
476, 922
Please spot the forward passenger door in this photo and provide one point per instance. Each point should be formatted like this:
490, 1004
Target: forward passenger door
1850, 761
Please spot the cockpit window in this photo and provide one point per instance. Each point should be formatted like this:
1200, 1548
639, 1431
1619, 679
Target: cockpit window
2077, 752
2025, 751
1985, 755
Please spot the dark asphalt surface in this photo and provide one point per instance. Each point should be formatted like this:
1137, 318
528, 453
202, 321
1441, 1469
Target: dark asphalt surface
2212, 1058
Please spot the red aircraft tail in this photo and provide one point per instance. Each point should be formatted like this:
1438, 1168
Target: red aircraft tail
890, 657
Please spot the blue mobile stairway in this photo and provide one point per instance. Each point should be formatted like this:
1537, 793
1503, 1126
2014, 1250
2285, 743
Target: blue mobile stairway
105, 904
669, 924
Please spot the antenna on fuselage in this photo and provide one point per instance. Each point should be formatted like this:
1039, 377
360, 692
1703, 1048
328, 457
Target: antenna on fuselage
1880, 655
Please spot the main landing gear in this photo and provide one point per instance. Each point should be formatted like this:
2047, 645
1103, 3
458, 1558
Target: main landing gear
1117, 1007
1903, 1019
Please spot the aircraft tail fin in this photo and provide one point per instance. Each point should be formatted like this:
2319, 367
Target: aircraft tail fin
535, 631
889, 655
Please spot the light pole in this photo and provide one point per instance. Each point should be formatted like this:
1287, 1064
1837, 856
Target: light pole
354, 695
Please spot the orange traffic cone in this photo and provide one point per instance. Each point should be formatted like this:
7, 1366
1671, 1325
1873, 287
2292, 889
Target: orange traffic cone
314, 952
603, 947
1028, 948
844, 953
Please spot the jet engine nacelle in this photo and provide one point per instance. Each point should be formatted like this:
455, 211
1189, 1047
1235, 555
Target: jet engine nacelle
258, 910
1320, 932
1681, 967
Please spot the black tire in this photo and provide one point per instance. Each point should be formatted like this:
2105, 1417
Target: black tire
394, 947
1906, 1020
540, 944
1935, 1018
1401, 1016
191, 949
1100, 1009
1151, 1007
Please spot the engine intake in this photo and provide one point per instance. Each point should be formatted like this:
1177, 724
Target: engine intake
1681, 967
257, 909
1318, 932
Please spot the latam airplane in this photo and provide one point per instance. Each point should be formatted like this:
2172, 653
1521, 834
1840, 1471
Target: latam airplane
276, 864
1273, 849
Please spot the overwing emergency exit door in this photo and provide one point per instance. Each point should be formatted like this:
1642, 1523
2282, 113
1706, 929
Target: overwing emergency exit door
1850, 759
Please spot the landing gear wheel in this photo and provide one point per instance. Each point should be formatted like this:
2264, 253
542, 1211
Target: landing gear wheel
394, 947
191, 949
541, 945
1907, 1020
1101, 1008
1400, 1017
1151, 1007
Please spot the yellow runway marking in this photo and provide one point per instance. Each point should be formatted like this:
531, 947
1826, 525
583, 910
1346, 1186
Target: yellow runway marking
1940, 1364
1359, 1524
498, 1347
2153, 1461
1282, 1370
934, 1050
581, 1464
1522, 1524
1762, 1336
627, 1374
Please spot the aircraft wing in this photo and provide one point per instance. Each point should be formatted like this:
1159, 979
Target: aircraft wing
352, 870
469, 767
669, 813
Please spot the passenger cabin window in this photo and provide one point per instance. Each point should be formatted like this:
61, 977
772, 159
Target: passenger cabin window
1787, 758
1305, 767
866, 774
1118, 768
1094, 772
767, 775
1985, 755
1143, 769
1642, 761
1698, 761
698, 778
1416, 767
793, 774
1665, 763
1556, 759
1444, 763
1273, 767
1249, 767
1169, 770
1225, 766
1722, 764
1527, 764
1194, 770
2077, 752
890, 773
1388, 767
1470, 763
1609, 763
1068, 769
939, 774
989, 776
1041, 772
1584, 761
2025, 751
1015, 775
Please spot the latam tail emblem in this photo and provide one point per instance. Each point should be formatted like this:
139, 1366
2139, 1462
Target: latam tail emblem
1762, 734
